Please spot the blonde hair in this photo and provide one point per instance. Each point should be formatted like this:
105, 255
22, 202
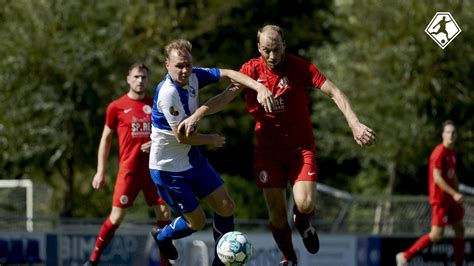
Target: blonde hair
179, 45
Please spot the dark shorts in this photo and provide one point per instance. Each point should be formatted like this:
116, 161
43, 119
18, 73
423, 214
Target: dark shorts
279, 169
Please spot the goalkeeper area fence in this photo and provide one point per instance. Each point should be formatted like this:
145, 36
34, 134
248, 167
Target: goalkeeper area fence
26, 206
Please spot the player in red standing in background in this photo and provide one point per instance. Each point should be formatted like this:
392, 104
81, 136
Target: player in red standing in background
285, 152
445, 199
130, 117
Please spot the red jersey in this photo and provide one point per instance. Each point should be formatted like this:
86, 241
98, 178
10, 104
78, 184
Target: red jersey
289, 126
444, 159
131, 119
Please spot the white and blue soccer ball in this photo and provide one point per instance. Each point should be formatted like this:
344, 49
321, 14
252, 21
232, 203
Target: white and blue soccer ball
234, 249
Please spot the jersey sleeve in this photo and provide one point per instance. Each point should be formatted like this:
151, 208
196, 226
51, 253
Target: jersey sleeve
317, 79
207, 76
170, 105
437, 159
247, 69
111, 117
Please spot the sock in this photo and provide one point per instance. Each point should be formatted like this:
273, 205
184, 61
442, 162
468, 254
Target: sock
222, 225
459, 251
302, 220
419, 245
175, 230
106, 234
283, 239
163, 260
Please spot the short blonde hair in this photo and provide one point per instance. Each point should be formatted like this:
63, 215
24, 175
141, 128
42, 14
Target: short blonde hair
178, 44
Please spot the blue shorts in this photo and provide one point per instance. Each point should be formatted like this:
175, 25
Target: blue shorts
183, 190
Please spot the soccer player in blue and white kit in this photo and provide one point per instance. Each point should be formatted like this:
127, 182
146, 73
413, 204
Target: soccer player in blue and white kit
182, 174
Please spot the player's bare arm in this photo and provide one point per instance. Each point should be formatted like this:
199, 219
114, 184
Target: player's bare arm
363, 135
213, 105
102, 156
440, 182
264, 95
214, 140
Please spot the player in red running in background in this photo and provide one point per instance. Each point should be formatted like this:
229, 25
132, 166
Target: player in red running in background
445, 199
130, 117
285, 151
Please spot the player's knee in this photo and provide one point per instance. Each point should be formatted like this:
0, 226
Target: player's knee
305, 206
436, 237
227, 209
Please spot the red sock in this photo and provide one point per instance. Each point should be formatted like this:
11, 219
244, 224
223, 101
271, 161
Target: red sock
163, 260
419, 245
459, 251
162, 223
106, 234
302, 220
283, 239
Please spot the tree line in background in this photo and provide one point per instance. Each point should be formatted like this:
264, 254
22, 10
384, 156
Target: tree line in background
64, 61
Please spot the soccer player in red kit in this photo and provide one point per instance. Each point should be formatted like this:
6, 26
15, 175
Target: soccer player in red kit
130, 117
285, 151
445, 199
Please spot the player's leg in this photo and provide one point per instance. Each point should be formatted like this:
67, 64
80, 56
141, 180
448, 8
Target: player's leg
175, 190
455, 218
458, 229
125, 191
438, 221
106, 233
304, 194
271, 175
303, 177
275, 200
209, 186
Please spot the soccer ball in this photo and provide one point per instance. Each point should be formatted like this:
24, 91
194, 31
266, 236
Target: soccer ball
234, 249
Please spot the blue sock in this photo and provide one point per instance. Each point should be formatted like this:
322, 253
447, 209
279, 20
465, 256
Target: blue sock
222, 225
175, 230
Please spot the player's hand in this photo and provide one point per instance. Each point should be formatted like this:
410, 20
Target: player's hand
217, 141
145, 147
98, 181
266, 99
189, 125
458, 197
363, 135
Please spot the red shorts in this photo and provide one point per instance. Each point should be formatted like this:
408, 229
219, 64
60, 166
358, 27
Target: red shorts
279, 169
444, 214
127, 186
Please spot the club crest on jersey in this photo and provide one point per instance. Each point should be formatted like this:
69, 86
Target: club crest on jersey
283, 83
147, 109
124, 199
173, 112
263, 176
192, 92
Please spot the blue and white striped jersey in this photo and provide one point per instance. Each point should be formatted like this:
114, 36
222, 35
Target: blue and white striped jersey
171, 105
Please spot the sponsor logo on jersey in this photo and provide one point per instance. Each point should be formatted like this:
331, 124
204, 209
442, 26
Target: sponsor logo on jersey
173, 112
279, 105
192, 92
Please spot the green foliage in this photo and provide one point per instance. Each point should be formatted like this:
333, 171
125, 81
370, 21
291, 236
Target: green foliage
64, 61
400, 83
